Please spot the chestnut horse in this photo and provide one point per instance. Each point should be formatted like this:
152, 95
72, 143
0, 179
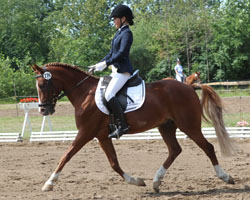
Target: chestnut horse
195, 77
168, 105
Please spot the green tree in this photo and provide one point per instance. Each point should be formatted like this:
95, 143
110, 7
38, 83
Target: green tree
231, 45
145, 52
84, 32
22, 81
24, 29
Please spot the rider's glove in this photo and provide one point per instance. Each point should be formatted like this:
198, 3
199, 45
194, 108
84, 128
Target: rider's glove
100, 66
91, 68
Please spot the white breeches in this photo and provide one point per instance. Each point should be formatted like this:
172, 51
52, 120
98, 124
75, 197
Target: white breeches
117, 82
179, 78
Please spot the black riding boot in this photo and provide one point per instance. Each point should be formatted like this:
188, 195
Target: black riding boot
119, 115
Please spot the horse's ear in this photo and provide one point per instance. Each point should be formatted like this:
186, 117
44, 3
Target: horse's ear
37, 69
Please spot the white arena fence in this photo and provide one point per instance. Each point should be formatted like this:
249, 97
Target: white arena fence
153, 134
10, 137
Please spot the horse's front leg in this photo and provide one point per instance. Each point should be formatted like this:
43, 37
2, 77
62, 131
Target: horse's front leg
109, 150
78, 143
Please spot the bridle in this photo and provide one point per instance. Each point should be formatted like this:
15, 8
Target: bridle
50, 87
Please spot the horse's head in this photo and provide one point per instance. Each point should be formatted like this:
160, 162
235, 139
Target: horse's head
197, 76
48, 89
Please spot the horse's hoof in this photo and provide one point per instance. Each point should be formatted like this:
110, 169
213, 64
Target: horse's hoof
156, 185
230, 180
140, 182
47, 188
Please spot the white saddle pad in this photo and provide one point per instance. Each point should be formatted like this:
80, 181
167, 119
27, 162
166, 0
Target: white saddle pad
136, 93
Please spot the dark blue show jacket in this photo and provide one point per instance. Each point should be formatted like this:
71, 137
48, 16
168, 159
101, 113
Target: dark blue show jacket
119, 52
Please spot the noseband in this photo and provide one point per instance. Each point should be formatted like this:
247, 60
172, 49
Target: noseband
48, 77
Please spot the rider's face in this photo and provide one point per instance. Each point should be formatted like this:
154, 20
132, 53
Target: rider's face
118, 21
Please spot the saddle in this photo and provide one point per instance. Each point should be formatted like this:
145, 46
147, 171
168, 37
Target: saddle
122, 95
131, 96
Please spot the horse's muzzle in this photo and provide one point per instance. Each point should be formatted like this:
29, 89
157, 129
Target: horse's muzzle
47, 108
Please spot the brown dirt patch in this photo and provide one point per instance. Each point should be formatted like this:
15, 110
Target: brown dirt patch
26, 166
237, 104
12, 110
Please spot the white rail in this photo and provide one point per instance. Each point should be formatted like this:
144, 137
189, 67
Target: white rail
234, 132
10, 137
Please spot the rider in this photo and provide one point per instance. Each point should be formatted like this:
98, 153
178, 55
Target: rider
179, 71
118, 58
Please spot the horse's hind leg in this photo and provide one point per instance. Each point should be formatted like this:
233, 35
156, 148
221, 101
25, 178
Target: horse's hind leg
78, 143
109, 150
197, 136
168, 133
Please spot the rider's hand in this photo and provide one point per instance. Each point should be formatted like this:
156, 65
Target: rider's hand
91, 68
100, 66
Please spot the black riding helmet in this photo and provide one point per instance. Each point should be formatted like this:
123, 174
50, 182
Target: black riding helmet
122, 10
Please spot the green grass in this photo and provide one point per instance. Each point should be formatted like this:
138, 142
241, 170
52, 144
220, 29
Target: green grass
7, 101
233, 93
231, 119
15, 124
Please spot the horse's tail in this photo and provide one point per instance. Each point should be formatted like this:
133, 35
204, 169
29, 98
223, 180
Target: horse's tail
212, 105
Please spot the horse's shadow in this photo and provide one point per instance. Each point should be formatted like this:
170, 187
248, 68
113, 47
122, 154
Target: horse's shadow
203, 192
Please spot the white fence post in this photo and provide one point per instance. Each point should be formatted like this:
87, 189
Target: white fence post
43, 123
27, 107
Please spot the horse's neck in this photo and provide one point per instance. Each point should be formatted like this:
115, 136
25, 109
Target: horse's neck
85, 91
190, 79
77, 93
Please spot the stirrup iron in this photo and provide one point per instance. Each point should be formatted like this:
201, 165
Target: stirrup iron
118, 133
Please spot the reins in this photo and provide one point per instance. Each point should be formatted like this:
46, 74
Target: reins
70, 90
78, 84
